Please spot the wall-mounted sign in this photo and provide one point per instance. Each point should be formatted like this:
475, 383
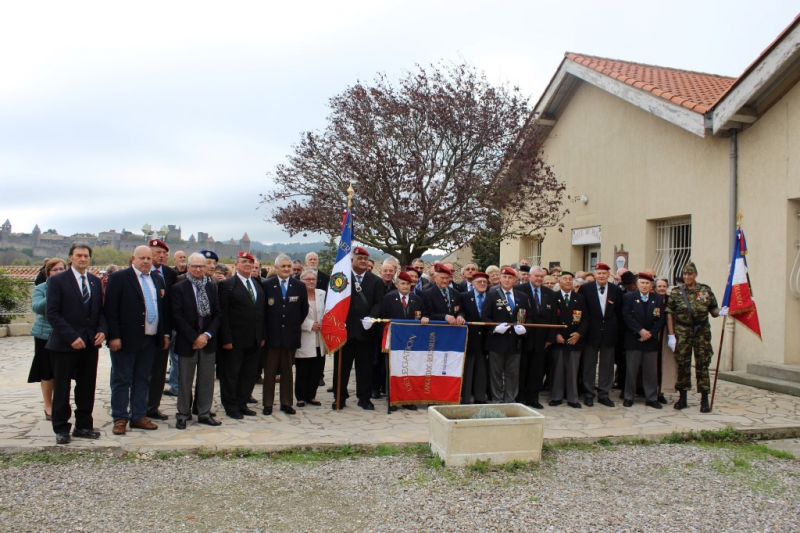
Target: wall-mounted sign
584, 236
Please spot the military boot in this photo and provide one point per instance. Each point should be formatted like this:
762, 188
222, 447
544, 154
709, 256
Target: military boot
704, 403
681, 404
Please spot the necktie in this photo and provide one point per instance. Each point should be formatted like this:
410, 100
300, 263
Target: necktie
283, 287
148, 301
253, 294
603, 289
644, 298
403, 299
87, 298
419, 286
510, 300
566, 299
358, 277
446, 295
536, 298
479, 299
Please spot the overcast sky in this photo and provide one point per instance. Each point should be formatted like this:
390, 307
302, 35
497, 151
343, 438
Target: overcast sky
118, 114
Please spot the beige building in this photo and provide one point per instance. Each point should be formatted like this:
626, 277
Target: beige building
658, 161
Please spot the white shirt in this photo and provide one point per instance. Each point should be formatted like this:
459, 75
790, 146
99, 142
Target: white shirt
244, 282
603, 297
148, 285
78, 279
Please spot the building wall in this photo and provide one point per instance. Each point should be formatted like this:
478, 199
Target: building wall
769, 199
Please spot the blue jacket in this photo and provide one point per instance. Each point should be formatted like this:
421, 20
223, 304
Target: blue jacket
41, 327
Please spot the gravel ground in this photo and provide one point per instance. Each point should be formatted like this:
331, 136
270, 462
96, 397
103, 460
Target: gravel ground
619, 488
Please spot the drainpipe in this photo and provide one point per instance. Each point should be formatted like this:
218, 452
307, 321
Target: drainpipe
732, 215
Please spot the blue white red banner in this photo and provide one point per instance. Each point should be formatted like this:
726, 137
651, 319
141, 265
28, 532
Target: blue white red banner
738, 300
426, 362
337, 301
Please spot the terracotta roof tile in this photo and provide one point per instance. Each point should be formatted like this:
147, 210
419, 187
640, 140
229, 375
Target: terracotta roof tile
694, 90
29, 273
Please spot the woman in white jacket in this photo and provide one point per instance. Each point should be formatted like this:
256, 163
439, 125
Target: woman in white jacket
310, 357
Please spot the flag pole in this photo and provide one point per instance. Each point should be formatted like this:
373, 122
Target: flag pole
350, 192
719, 357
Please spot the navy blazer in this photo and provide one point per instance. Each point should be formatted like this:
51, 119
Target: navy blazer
436, 305
285, 315
603, 327
640, 315
547, 314
242, 322
575, 317
468, 310
126, 312
66, 314
185, 317
392, 307
495, 310
366, 304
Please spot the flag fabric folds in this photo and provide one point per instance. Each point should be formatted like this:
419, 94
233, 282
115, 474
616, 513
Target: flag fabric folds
738, 300
426, 362
337, 301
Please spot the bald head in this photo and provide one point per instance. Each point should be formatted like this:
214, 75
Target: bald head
142, 259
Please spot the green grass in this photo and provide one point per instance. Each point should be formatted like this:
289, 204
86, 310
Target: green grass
43, 457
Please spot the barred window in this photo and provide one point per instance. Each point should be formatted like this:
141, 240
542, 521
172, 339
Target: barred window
531, 249
673, 247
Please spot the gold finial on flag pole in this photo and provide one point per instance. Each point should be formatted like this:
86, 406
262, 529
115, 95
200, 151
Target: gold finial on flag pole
739, 218
350, 192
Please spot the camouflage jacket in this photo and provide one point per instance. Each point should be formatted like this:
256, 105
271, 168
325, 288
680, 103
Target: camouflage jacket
702, 300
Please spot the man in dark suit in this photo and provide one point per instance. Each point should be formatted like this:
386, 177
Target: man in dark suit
422, 282
467, 272
136, 316
511, 308
399, 304
241, 334
569, 343
365, 303
160, 252
643, 317
441, 299
75, 312
388, 273
287, 308
604, 306
536, 344
196, 319
474, 380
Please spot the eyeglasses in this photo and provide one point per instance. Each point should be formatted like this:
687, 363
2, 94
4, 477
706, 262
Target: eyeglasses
196, 266
309, 280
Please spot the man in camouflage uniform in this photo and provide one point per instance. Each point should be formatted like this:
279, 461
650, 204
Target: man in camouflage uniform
689, 329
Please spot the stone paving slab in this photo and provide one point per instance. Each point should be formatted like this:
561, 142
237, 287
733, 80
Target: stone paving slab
23, 427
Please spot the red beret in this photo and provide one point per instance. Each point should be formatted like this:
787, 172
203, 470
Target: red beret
410, 268
440, 268
158, 243
482, 275
602, 266
405, 277
508, 270
246, 255
358, 250
646, 276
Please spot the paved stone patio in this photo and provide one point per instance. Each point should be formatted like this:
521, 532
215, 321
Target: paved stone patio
23, 426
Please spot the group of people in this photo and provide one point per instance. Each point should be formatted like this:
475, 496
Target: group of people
238, 325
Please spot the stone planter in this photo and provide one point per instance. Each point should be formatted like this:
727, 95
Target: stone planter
459, 440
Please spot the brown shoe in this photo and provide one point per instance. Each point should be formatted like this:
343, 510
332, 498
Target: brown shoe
144, 423
119, 426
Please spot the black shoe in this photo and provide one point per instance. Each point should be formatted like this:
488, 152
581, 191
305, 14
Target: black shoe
248, 412
210, 413
85, 434
588, 402
654, 405
321, 382
252, 400
376, 394
288, 409
681, 404
554, 403
366, 405
180, 424
209, 422
606, 401
235, 416
168, 392
661, 399
329, 389
410, 407
627, 403
704, 408
536, 405
267, 411
392, 408
62, 438
157, 415
575, 405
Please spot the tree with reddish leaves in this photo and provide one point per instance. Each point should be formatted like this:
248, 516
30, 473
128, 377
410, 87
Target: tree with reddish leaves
433, 159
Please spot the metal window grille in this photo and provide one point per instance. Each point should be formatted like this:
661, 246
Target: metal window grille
673, 247
531, 248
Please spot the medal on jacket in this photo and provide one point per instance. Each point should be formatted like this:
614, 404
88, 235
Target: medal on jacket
521, 315
417, 315
657, 312
576, 317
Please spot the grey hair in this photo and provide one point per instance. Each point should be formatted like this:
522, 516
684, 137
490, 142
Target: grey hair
196, 254
282, 257
537, 268
308, 271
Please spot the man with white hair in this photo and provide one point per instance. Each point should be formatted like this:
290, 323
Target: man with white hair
312, 263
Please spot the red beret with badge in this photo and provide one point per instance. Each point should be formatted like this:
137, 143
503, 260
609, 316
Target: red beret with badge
405, 277
158, 243
602, 266
441, 269
646, 276
358, 250
508, 270
247, 255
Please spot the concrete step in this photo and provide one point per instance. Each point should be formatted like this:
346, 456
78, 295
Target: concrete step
762, 382
775, 371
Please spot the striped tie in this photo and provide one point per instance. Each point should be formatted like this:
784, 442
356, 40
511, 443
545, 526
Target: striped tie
87, 298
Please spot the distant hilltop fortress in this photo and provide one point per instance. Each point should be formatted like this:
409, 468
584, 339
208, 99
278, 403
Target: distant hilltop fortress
51, 244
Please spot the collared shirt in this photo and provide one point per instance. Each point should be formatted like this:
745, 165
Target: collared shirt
644, 297
244, 281
603, 296
78, 279
148, 285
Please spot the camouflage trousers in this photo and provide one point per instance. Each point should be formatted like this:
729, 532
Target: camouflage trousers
686, 342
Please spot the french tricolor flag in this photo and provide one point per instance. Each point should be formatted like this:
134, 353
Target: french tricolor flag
337, 300
738, 300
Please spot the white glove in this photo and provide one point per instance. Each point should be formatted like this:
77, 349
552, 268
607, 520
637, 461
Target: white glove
366, 322
519, 329
723, 311
671, 342
502, 328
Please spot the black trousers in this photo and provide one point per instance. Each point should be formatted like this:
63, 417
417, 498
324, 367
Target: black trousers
531, 375
240, 367
359, 352
80, 365
306, 381
157, 377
